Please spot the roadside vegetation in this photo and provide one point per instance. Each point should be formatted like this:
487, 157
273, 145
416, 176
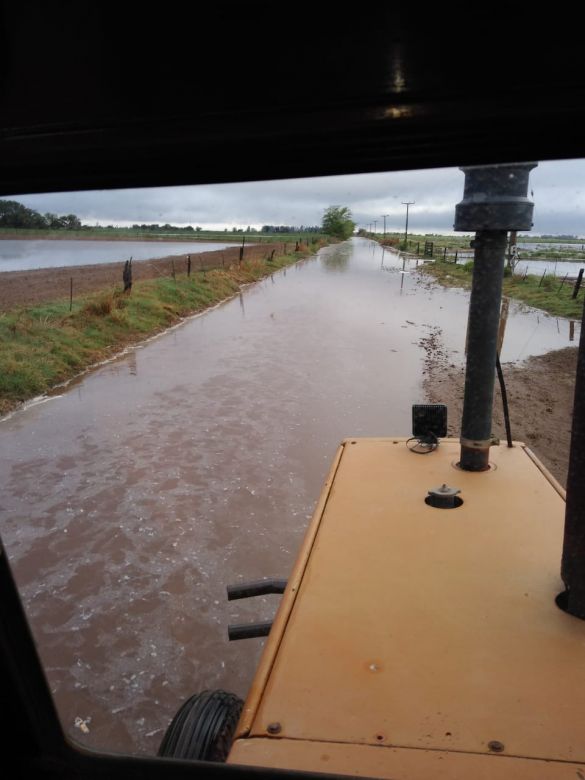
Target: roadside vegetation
44, 345
548, 294
416, 242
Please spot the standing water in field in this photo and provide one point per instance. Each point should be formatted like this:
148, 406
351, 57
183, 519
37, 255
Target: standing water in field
23, 255
133, 498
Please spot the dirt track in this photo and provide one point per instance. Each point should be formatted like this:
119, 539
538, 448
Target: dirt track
540, 397
18, 288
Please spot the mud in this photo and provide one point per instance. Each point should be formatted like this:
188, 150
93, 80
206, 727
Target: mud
540, 394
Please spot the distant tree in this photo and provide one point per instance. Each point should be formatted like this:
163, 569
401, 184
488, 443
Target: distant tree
15, 215
53, 221
337, 222
71, 222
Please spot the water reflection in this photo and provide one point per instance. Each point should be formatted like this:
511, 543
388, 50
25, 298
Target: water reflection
337, 261
132, 363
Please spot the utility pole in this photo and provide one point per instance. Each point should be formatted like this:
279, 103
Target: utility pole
407, 204
384, 216
512, 249
375, 224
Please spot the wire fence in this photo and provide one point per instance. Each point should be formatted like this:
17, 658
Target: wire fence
19, 288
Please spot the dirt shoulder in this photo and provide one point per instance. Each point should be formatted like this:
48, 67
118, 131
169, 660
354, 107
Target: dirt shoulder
540, 397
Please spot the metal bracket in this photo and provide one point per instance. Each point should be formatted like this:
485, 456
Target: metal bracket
246, 590
248, 630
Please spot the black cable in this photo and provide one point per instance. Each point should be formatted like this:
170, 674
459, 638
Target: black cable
429, 442
504, 400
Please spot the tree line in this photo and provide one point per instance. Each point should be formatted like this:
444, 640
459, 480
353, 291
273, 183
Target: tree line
290, 229
156, 228
337, 221
15, 215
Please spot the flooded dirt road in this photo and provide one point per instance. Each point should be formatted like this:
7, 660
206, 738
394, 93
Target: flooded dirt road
134, 497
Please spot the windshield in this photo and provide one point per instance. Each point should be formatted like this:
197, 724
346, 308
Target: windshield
179, 367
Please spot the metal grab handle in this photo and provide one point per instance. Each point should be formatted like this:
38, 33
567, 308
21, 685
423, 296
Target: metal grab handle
246, 590
248, 630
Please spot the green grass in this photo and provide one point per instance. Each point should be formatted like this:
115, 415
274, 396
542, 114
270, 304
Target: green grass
132, 234
452, 243
547, 296
44, 345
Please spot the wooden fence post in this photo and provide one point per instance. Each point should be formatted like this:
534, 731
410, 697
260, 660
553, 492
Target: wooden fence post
577, 284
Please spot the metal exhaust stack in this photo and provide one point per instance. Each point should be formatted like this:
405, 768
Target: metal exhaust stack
494, 202
573, 561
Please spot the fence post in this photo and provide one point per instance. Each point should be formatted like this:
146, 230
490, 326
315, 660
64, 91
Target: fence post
577, 284
127, 276
71, 294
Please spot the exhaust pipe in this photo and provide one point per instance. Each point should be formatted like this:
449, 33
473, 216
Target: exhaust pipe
494, 202
573, 561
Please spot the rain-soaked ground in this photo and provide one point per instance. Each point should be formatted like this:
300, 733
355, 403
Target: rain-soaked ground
132, 499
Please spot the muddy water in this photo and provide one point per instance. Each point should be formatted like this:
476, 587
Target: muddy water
132, 499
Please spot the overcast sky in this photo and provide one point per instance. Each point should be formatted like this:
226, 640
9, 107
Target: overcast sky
558, 193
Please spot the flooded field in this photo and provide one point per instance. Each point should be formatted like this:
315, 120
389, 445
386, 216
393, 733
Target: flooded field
131, 499
552, 267
23, 255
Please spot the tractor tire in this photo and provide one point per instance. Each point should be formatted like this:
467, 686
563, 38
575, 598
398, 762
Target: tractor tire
203, 728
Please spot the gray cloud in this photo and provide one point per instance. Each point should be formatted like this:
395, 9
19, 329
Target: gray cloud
559, 196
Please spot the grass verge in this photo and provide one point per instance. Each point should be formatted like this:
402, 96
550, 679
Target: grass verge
549, 296
44, 345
